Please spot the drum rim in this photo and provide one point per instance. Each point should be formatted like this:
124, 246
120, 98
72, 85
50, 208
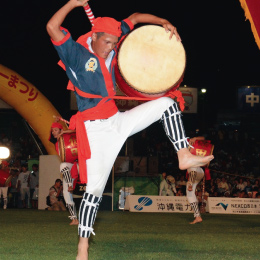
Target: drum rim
171, 88
62, 149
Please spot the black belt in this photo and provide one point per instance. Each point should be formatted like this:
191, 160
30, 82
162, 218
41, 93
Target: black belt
98, 119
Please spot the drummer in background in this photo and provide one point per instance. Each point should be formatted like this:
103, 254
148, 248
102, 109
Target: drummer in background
101, 128
66, 169
4, 190
194, 176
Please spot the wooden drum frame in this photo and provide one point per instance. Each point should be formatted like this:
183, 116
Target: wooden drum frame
67, 148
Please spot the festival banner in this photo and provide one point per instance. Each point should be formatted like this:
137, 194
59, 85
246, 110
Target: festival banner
160, 204
248, 99
223, 205
252, 13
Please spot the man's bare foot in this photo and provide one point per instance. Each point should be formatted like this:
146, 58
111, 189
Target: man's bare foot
188, 160
82, 249
74, 221
70, 189
196, 220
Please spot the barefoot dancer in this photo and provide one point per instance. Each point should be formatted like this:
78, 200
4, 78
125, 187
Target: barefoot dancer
195, 176
65, 169
101, 128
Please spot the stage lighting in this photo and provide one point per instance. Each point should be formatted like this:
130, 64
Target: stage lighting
4, 152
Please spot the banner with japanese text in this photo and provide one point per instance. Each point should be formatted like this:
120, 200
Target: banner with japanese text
163, 204
223, 205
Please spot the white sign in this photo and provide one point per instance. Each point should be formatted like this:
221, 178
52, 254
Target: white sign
166, 204
224, 205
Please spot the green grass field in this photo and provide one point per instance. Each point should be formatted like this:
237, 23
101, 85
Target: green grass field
33, 234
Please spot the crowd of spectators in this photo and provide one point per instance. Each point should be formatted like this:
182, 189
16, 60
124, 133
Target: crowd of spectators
235, 170
22, 188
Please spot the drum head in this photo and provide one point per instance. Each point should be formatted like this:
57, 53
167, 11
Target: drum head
149, 61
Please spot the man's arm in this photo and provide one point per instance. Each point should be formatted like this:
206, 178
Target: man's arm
53, 26
152, 19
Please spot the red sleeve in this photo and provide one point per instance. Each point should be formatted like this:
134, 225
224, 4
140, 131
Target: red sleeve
66, 37
129, 23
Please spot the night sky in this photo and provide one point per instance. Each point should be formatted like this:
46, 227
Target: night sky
221, 50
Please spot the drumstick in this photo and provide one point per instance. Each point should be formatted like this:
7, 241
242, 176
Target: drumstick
61, 119
89, 13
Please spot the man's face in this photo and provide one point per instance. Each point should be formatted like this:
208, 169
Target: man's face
58, 184
55, 131
104, 44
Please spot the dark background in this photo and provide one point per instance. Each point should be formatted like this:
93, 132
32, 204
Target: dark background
221, 51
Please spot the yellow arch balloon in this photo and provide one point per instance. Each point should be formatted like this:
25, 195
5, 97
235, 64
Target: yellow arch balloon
30, 103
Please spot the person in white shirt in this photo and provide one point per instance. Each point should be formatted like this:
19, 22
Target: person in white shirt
23, 186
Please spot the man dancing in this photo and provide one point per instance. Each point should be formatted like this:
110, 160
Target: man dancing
101, 128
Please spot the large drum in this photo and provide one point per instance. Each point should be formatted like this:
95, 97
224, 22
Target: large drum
149, 63
67, 148
5, 179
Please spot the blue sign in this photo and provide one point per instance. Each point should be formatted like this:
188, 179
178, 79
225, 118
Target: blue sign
248, 99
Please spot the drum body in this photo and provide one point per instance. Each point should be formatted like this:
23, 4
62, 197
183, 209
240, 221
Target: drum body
67, 148
202, 148
5, 178
149, 64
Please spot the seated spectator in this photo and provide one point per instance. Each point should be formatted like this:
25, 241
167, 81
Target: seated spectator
254, 192
256, 184
171, 185
55, 197
248, 188
242, 194
240, 186
181, 185
258, 195
223, 187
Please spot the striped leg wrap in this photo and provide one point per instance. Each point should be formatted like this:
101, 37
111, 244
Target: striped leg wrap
195, 208
72, 211
66, 175
87, 214
173, 127
192, 176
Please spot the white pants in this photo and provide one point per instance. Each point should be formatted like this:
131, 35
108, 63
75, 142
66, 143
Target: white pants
23, 192
66, 194
3, 191
191, 196
106, 138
